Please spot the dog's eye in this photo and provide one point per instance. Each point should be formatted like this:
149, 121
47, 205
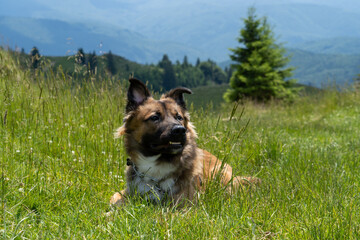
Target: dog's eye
154, 118
178, 117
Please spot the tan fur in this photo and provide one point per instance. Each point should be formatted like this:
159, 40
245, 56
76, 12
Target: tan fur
179, 177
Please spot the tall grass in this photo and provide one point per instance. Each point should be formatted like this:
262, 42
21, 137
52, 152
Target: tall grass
60, 164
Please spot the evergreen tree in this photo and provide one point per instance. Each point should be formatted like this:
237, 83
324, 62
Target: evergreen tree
197, 62
219, 76
185, 63
35, 58
92, 62
212, 72
110, 64
206, 68
260, 71
80, 57
169, 78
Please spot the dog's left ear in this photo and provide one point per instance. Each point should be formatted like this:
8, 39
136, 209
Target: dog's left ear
177, 95
137, 94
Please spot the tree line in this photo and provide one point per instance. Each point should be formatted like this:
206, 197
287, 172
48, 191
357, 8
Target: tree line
162, 76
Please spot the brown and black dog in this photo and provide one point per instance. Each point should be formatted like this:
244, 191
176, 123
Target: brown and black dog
165, 163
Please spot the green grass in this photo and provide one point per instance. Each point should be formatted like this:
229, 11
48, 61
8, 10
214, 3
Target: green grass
211, 96
60, 165
207, 97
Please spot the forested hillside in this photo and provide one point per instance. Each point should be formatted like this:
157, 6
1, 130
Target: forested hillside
161, 76
312, 69
324, 69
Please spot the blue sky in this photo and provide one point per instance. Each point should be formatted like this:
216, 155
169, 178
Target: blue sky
121, 12
196, 24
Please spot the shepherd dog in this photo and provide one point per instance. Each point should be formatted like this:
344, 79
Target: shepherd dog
165, 164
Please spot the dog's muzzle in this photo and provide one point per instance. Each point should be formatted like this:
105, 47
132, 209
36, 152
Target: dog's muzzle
175, 141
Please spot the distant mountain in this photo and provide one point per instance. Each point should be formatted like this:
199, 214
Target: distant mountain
339, 45
58, 38
200, 28
214, 26
318, 69
315, 69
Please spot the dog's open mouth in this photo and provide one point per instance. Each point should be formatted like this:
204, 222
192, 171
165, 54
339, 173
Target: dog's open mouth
170, 147
175, 144
170, 144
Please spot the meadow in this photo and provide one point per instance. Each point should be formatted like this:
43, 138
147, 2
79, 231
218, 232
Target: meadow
60, 164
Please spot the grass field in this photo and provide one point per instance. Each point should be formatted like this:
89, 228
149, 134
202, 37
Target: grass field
207, 97
60, 165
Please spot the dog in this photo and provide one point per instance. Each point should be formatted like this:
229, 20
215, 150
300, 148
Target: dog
165, 163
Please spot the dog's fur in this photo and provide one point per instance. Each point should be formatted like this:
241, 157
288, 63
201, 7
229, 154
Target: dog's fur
165, 163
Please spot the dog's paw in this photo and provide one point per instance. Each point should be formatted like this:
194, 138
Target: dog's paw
252, 180
118, 199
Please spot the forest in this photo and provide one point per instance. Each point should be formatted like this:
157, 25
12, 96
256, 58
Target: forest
161, 76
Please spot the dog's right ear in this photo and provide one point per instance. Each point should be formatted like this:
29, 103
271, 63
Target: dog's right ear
137, 94
177, 95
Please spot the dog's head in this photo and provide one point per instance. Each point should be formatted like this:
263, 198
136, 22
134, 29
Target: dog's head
154, 127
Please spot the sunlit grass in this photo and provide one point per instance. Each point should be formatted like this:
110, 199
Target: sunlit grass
60, 165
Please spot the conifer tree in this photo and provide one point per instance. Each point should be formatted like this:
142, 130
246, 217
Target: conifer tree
110, 64
185, 63
80, 57
197, 62
35, 58
259, 72
92, 62
169, 78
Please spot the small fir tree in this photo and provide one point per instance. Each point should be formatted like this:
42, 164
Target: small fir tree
110, 63
185, 63
197, 62
35, 58
169, 78
80, 57
92, 62
259, 72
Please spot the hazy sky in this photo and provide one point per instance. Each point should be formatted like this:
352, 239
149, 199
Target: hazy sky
122, 12
199, 24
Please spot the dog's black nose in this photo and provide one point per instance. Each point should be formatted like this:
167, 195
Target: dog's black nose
178, 130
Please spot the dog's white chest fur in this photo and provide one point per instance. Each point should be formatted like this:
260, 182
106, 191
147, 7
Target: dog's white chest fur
152, 179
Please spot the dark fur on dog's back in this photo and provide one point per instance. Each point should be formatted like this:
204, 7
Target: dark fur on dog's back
160, 140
